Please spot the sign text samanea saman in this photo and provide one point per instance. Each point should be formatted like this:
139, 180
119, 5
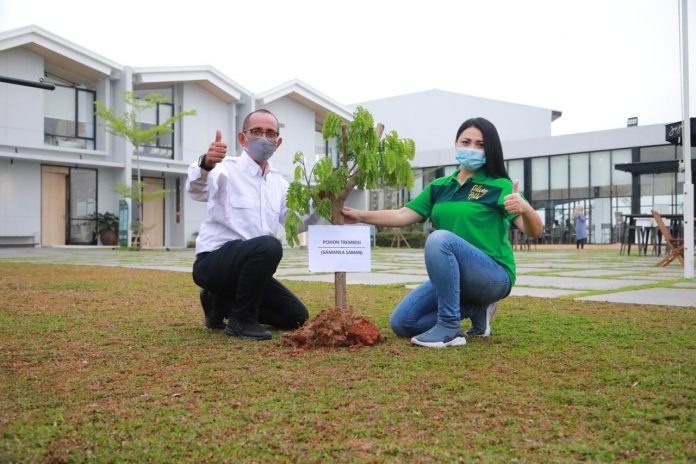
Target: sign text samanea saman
339, 248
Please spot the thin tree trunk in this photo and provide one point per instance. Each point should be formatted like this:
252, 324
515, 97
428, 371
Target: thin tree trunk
141, 210
340, 294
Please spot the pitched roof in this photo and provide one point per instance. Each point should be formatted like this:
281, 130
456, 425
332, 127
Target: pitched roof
307, 96
59, 52
207, 77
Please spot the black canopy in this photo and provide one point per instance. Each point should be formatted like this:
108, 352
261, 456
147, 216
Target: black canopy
653, 167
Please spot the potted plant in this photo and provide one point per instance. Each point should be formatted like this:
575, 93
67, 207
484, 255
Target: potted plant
107, 228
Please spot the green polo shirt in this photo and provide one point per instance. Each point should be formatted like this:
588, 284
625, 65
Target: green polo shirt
473, 211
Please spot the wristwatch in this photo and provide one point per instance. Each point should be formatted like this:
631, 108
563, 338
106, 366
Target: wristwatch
202, 165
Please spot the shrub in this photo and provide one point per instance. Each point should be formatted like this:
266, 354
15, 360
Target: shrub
106, 222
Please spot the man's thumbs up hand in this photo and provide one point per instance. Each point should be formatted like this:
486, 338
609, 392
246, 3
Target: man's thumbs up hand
217, 150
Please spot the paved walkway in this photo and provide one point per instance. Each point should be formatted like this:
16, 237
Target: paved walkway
597, 274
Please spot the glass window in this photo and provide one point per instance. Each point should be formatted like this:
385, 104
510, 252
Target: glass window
69, 117
599, 224
579, 175
430, 174
542, 214
540, 178
59, 116
166, 112
516, 172
621, 180
658, 192
559, 177
661, 153
148, 117
85, 114
158, 114
600, 172
622, 205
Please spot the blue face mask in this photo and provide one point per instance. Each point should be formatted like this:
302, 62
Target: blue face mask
471, 159
260, 149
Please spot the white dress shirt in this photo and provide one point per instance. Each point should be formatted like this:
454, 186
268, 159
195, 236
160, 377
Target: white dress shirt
243, 201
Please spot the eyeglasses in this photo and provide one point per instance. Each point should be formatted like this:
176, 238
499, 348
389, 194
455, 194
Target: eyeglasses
258, 132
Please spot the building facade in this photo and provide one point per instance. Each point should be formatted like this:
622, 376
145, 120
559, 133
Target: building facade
59, 166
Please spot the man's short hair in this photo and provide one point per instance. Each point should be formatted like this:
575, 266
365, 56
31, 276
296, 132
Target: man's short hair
245, 124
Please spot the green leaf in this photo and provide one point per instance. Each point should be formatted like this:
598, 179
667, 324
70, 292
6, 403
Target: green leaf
332, 126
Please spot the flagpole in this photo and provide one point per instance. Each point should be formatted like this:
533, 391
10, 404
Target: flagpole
688, 205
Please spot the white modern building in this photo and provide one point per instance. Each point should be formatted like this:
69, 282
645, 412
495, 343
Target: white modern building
58, 165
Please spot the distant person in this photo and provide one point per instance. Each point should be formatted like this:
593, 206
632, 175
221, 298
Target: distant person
468, 256
237, 251
580, 227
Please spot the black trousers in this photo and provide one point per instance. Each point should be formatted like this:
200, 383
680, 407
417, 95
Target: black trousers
239, 274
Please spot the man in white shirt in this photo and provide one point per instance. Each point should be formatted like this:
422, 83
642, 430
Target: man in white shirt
237, 251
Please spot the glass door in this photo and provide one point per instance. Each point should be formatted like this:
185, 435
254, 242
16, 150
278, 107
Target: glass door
83, 206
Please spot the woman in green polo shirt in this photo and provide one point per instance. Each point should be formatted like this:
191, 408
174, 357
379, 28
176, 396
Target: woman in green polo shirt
468, 257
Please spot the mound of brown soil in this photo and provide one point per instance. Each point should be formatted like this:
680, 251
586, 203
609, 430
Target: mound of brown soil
334, 327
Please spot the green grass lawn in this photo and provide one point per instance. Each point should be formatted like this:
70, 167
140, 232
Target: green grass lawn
108, 364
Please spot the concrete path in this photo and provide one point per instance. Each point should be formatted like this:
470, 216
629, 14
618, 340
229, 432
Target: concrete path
651, 296
598, 274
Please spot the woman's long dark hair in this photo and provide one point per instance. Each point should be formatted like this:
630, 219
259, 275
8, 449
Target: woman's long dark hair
495, 166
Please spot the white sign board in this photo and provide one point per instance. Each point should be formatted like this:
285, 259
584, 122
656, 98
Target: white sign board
339, 248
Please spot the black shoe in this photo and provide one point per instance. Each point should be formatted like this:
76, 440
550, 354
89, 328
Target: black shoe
213, 317
248, 330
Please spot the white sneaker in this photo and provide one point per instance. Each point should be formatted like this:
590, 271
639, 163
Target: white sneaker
481, 321
440, 337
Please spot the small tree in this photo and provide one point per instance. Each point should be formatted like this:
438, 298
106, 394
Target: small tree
365, 160
128, 127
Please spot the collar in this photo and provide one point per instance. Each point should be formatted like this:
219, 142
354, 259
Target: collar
253, 168
479, 176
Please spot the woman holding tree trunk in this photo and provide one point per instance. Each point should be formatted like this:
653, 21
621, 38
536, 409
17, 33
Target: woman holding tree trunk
468, 257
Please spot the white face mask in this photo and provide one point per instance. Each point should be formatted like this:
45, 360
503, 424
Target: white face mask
260, 148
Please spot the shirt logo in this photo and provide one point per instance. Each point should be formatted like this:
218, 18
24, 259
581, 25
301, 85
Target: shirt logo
477, 191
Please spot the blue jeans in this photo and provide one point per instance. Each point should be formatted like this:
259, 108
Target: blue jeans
463, 279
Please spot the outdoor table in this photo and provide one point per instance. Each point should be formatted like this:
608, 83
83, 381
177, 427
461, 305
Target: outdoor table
633, 224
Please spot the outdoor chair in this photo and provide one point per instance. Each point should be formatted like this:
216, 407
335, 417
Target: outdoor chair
626, 239
675, 245
546, 236
521, 241
556, 235
618, 230
606, 233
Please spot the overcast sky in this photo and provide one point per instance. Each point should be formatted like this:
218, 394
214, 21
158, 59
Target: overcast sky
597, 61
